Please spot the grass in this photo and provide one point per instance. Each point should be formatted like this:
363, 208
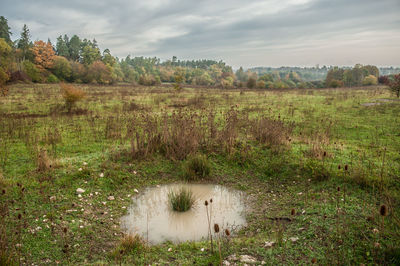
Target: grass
181, 200
270, 144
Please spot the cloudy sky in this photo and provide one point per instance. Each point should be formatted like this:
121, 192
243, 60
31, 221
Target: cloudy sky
242, 33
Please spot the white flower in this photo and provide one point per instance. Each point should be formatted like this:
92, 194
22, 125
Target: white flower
136, 191
80, 169
84, 163
101, 175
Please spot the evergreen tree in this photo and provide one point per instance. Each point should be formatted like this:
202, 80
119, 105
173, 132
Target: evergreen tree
74, 48
61, 47
24, 43
5, 32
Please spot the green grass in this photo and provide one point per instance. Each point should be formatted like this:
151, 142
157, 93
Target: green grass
332, 227
181, 200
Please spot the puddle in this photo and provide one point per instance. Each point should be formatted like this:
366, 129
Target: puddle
151, 216
370, 104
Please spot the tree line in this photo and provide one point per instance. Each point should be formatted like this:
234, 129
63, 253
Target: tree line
73, 59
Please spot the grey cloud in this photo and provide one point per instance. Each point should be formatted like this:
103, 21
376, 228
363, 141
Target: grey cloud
256, 32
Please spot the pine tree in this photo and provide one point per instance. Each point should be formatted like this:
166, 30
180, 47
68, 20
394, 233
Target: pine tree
24, 42
5, 32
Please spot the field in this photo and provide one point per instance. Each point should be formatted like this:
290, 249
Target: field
320, 168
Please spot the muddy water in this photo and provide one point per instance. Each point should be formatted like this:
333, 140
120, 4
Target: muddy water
151, 215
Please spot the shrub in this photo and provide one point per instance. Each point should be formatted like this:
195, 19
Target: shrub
335, 83
182, 200
19, 76
370, 80
100, 73
71, 95
394, 84
196, 166
62, 68
261, 84
52, 79
32, 71
251, 82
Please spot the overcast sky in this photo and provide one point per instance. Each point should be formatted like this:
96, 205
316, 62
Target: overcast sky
242, 33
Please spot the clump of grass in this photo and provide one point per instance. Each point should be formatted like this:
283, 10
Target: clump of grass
131, 243
196, 166
182, 200
43, 161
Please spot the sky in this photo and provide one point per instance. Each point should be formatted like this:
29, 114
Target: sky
242, 33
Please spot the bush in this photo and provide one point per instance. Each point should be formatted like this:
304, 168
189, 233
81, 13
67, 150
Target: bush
260, 84
52, 79
182, 200
32, 71
251, 82
71, 95
370, 80
335, 83
197, 166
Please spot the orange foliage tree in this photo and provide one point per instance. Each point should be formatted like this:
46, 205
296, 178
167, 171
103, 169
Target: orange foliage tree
44, 54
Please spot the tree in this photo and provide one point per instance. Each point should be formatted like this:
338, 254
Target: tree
90, 55
62, 47
43, 54
5, 59
78, 72
107, 58
24, 42
100, 73
394, 84
5, 32
74, 48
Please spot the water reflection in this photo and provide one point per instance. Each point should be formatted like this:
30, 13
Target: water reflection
151, 216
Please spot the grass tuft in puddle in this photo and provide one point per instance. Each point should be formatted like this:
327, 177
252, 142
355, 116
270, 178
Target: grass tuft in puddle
182, 200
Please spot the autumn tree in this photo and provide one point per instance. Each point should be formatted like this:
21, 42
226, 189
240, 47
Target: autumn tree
5, 58
43, 54
100, 73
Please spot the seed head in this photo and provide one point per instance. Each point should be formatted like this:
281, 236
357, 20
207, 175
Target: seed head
338, 188
227, 232
206, 203
383, 210
324, 153
211, 201
339, 167
65, 230
293, 212
216, 228
314, 260
346, 167
19, 216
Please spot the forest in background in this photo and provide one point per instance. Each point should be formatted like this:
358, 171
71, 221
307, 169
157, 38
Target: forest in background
73, 59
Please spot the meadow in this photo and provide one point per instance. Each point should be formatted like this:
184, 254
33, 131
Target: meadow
320, 168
